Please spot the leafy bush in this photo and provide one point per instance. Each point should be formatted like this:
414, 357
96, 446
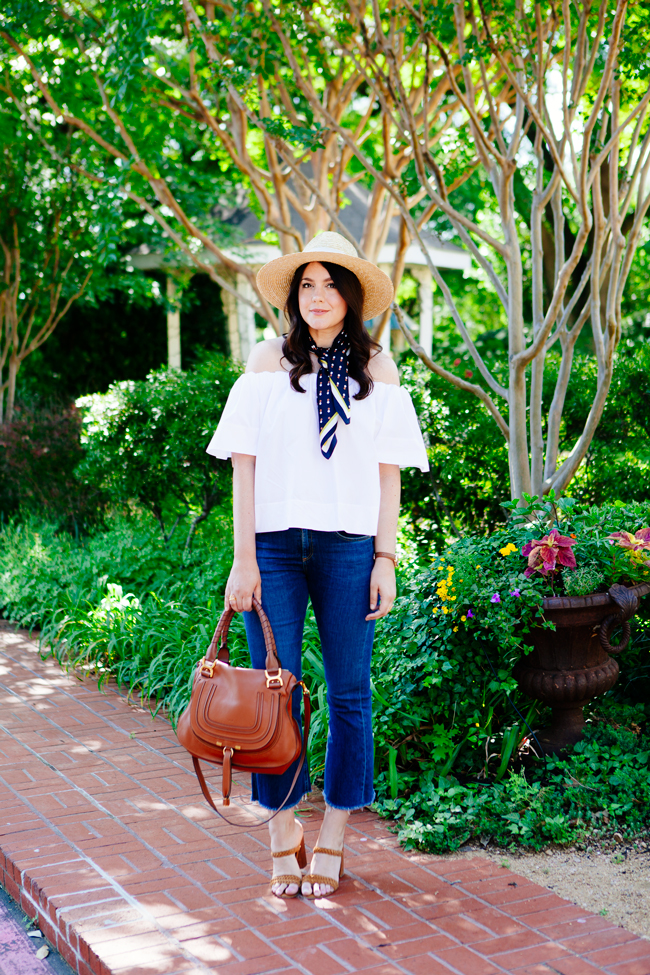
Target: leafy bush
468, 459
39, 450
145, 441
445, 655
618, 460
602, 786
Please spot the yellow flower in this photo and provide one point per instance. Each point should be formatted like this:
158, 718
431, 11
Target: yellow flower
477, 725
508, 549
455, 629
445, 610
463, 619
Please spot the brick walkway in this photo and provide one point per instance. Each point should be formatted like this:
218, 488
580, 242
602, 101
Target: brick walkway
104, 836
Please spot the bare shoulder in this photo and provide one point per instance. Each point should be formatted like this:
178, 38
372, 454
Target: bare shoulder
266, 356
382, 369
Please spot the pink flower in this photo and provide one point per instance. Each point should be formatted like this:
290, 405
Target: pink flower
637, 542
496, 598
470, 614
545, 554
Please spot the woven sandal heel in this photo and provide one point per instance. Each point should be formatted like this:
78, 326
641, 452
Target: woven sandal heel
318, 878
290, 878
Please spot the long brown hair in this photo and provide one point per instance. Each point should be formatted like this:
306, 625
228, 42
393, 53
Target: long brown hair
295, 347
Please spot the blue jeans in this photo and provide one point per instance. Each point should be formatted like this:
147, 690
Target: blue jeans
333, 568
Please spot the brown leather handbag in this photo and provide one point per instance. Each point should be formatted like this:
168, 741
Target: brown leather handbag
240, 718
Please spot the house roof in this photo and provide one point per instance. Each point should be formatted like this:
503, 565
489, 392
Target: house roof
247, 248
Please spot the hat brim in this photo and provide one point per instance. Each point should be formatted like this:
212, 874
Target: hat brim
274, 279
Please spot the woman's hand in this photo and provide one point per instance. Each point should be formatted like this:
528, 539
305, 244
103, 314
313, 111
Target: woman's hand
382, 589
244, 582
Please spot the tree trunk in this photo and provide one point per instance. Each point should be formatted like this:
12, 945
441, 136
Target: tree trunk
14, 365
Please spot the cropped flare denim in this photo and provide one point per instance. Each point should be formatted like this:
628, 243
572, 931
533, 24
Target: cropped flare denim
333, 569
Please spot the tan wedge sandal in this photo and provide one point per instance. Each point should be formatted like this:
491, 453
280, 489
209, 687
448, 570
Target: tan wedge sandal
318, 878
291, 878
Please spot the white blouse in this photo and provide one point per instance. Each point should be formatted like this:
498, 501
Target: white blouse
295, 486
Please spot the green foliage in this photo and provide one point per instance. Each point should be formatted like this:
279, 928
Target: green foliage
120, 601
600, 787
443, 664
468, 455
39, 450
618, 460
585, 580
145, 441
468, 459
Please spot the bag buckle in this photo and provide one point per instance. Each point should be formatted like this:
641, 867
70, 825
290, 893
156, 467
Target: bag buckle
274, 680
208, 667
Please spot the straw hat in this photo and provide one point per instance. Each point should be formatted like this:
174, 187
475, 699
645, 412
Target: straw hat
274, 279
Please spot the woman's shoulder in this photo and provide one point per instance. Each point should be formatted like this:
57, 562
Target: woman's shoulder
266, 356
382, 369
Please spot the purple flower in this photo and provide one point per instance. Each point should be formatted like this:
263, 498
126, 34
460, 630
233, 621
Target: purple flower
470, 614
495, 598
516, 594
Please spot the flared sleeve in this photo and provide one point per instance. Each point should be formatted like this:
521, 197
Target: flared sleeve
398, 439
239, 426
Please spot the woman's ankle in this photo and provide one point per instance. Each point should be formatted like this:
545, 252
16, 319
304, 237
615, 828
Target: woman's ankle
282, 827
333, 826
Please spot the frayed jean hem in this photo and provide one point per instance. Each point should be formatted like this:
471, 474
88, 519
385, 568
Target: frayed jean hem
273, 809
359, 805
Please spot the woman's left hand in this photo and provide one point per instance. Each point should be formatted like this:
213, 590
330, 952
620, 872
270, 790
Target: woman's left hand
382, 589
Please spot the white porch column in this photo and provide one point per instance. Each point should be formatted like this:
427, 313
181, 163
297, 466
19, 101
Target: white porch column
230, 307
245, 317
423, 275
173, 326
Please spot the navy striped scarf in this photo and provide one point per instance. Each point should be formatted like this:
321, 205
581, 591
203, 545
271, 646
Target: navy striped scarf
332, 393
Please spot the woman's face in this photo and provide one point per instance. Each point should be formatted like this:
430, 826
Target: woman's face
321, 305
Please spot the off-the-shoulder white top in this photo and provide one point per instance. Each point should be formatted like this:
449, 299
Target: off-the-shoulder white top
295, 486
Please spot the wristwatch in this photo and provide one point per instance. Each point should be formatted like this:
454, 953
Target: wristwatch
387, 555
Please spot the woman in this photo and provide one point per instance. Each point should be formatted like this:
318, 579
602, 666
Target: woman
317, 429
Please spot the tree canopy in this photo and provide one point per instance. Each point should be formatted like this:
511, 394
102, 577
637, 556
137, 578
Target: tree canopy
539, 110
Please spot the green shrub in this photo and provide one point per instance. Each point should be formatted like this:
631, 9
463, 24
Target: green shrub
445, 655
145, 441
468, 459
601, 787
39, 450
618, 461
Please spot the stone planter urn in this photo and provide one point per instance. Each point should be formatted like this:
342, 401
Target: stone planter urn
576, 662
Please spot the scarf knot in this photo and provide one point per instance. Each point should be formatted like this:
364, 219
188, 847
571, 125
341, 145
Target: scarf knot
332, 391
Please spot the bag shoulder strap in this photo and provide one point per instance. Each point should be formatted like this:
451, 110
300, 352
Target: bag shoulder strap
303, 753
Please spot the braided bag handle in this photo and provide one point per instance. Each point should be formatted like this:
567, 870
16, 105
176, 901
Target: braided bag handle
218, 649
